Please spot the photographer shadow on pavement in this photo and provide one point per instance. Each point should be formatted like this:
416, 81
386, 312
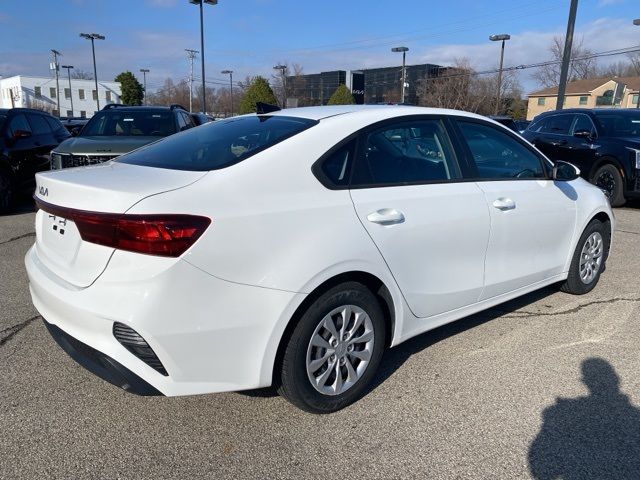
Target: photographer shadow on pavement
592, 437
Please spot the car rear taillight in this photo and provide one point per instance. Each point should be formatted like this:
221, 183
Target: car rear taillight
167, 235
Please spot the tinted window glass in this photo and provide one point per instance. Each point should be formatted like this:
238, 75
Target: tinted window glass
181, 122
338, 165
53, 123
558, 124
583, 123
498, 155
132, 123
623, 124
39, 124
18, 122
218, 144
188, 120
407, 152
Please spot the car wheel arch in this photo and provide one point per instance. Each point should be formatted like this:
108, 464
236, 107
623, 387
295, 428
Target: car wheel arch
604, 161
369, 280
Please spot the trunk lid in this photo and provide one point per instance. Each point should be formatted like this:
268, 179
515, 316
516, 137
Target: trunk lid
111, 188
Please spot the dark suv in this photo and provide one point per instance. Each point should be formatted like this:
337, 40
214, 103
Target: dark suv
26, 138
603, 143
119, 129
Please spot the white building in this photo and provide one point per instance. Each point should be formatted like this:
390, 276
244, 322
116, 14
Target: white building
41, 93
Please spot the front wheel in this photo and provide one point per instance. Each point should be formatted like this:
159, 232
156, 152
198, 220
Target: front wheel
588, 259
334, 350
609, 180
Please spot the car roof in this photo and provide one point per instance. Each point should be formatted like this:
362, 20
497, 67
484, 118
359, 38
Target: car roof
322, 112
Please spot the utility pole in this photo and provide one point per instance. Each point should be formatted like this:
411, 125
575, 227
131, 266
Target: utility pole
283, 69
69, 67
144, 76
56, 67
566, 57
191, 54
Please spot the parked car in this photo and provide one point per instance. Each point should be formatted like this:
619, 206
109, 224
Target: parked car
26, 138
522, 125
200, 118
74, 124
118, 129
603, 143
291, 248
505, 120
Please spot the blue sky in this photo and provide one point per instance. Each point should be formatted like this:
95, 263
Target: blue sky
250, 36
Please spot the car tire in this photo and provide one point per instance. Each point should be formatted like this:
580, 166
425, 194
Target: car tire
6, 192
609, 179
341, 369
588, 259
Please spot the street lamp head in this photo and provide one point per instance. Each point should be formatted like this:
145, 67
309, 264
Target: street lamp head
144, 70
636, 21
56, 52
400, 49
226, 72
501, 37
208, 2
67, 66
92, 36
280, 67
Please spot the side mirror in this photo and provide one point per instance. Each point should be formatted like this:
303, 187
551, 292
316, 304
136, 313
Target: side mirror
21, 134
564, 171
586, 134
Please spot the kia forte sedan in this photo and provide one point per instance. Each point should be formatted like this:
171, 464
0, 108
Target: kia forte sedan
292, 248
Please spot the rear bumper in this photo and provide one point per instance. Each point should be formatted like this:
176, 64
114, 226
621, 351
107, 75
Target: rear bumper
211, 335
100, 364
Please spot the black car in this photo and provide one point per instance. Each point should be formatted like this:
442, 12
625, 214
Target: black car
200, 118
603, 143
74, 124
26, 138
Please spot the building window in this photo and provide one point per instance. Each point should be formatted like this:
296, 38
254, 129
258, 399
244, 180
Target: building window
69, 113
81, 94
52, 92
108, 95
95, 94
67, 93
541, 100
56, 113
583, 100
38, 92
83, 113
634, 100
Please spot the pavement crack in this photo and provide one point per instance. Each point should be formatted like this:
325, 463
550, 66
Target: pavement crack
8, 333
627, 231
26, 235
526, 314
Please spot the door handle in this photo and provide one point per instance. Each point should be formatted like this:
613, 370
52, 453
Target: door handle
559, 143
504, 204
386, 216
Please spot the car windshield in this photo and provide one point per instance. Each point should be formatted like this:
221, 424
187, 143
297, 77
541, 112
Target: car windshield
218, 144
622, 124
144, 123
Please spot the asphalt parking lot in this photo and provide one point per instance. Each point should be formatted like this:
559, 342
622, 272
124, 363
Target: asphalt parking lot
546, 386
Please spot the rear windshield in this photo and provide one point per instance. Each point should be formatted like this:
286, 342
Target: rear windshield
623, 124
130, 124
218, 144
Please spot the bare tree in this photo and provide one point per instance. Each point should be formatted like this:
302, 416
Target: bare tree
579, 67
81, 74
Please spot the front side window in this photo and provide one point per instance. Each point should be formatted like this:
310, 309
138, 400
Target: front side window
557, 124
406, 152
499, 156
217, 144
130, 124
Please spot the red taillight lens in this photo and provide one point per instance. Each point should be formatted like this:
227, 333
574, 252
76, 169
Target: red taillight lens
167, 235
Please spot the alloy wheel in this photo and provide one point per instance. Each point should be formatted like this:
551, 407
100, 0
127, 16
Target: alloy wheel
591, 258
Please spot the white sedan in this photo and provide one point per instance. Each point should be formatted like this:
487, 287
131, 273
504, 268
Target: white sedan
291, 248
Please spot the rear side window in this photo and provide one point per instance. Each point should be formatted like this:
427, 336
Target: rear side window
218, 144
39, 124
336, 167
499, 156
18, 123
53, 123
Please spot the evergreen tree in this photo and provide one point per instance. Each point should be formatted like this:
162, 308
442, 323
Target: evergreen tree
258, 91
342, 96
132, 90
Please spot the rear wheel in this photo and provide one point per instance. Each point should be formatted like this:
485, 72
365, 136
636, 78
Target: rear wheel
6, 192
334, 350
609, 179
588, 259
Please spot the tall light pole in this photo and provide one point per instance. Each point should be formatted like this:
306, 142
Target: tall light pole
144, 81
201, 3
92, 37
636, 22
283, 69
404, 51
191, 54
500, 38
566, 55
55, 66
230, 73
69, 67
